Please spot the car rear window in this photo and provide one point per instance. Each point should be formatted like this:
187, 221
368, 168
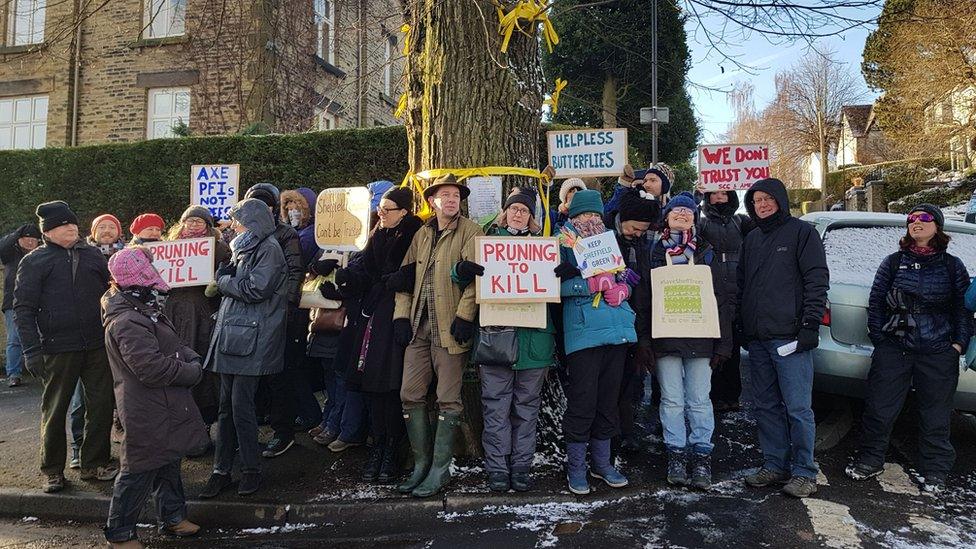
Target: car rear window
854, 253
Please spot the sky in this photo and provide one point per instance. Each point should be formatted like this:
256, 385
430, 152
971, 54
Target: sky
763, 60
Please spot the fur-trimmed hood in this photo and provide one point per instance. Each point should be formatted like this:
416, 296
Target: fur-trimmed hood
304, 200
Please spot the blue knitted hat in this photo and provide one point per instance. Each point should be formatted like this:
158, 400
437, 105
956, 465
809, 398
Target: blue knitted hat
684, 199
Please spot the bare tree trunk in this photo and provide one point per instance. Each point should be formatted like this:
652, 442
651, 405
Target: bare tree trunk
610, 102
822, 135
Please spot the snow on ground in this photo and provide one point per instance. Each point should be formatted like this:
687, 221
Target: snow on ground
282, 529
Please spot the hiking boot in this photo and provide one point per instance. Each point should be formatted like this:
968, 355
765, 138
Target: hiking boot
498, 482
677, 467
277, 446
216, 484
418, 431
54, 483
325, 438
373, 460
801, 487
440, 468
75, 462
250, 482
765, 477
183, 529
339, 445
14, 381
701, 471
104, 474
863, 471
576, 468
389, 470
521, 481
600, 466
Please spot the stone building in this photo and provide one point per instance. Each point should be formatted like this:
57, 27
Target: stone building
128, 70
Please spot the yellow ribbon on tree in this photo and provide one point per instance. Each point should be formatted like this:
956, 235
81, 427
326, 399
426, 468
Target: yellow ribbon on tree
425, 212
553, 100
401, 107
533, 12
405, 29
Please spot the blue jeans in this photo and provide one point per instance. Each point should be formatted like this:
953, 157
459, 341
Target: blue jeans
685, 384
76, 417
782, 389
15, 351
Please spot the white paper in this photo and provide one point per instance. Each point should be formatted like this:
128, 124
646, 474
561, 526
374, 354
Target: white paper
786, 350
485, 198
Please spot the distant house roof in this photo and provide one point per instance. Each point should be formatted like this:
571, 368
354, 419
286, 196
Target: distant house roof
857, 118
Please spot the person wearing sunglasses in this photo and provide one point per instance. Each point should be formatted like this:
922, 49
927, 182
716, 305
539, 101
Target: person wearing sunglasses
919, 325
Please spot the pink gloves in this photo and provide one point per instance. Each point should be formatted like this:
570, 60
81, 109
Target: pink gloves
601, 282
617, 294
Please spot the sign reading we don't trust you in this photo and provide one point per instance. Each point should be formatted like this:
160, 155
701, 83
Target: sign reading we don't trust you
732, 167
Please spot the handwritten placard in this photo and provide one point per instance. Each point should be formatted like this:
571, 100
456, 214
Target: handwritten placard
342, 219
215, 187
517, 269
187, 262
486, 196
598, 254
587, 153
732, 167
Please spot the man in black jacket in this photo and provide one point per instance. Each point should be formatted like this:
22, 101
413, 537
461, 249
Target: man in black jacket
782, 293
13, 248
59, 317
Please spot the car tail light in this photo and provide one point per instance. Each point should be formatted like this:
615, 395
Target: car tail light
825, 321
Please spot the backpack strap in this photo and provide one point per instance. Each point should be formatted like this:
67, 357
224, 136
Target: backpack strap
894, 261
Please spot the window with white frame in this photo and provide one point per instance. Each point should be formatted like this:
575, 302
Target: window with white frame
388, 52
164, 18
325, 28
167, 108
26, 22
23, 122
325, 120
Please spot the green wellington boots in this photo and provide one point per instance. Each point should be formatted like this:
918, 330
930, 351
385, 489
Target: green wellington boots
440, 471
418, 431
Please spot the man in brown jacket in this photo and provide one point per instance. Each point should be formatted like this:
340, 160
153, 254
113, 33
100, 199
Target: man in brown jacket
435, 321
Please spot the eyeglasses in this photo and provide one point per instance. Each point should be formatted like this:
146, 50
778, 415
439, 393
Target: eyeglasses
192, 221
382, 209
922, 216
518, 210
681, 210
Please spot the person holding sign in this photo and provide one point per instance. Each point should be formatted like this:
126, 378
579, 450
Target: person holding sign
437, 333
191, 312
598, 328
512, 393
684, 364
653, 183
248, 342
783, 280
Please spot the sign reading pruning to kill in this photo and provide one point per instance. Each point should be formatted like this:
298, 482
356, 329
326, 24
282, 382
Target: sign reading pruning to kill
732, 167
188, 262
517, 269
342, 219
587, 153
215, 186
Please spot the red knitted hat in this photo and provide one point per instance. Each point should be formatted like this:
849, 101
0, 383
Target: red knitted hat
145, 221
106, 217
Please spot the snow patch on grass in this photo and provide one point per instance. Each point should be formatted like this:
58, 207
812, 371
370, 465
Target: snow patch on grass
284, 529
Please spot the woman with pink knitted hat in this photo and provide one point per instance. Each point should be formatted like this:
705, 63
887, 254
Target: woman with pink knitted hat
154, 371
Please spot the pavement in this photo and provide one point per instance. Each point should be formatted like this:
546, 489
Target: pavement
313, 497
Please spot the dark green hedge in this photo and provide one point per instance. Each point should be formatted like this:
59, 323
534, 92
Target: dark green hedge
799, 196
953, 193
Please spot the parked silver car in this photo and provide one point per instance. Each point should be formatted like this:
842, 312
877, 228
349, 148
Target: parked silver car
856, 242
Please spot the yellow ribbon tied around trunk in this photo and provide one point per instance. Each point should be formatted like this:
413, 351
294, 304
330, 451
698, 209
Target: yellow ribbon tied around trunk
532, 12
405, 29
553, 100
416, 180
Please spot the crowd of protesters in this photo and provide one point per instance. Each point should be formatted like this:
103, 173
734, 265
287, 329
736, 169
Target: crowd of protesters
170, 368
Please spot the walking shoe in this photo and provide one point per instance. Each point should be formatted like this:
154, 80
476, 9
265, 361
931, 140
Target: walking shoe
217, 483
600, 466
801, 487
934, 484
863, 471
104, 474
314, 431
576, 468
440, 467
701, 471
250, 482
373, 459
277, 446
183, 529
339, 445
75, 462
54, 483
498, 482
326, 437
677, 467
388, 467
765, 477
14, 381
418, 431
521, 481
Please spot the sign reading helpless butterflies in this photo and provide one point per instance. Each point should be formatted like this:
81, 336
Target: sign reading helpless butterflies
587, 153
598, 254
342, 219
517, 269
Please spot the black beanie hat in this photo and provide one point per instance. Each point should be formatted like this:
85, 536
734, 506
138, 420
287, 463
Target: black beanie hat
930, 209
634, 207
198, 211
54, 214
29, 230
401, 196
523, 197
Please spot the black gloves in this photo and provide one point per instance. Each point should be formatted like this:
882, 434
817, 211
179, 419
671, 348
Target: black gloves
402, 332
324, 267
228, 269
808, 338
462, 330
717, 362
329, 291
467, 270
566, 270
34, 365
403, 279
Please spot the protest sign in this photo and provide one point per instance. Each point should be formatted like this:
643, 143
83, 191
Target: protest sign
521, 315
342, 219
598, 254
215, 187
486, 196
732, 167
587, 153
187, 262
517, 269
